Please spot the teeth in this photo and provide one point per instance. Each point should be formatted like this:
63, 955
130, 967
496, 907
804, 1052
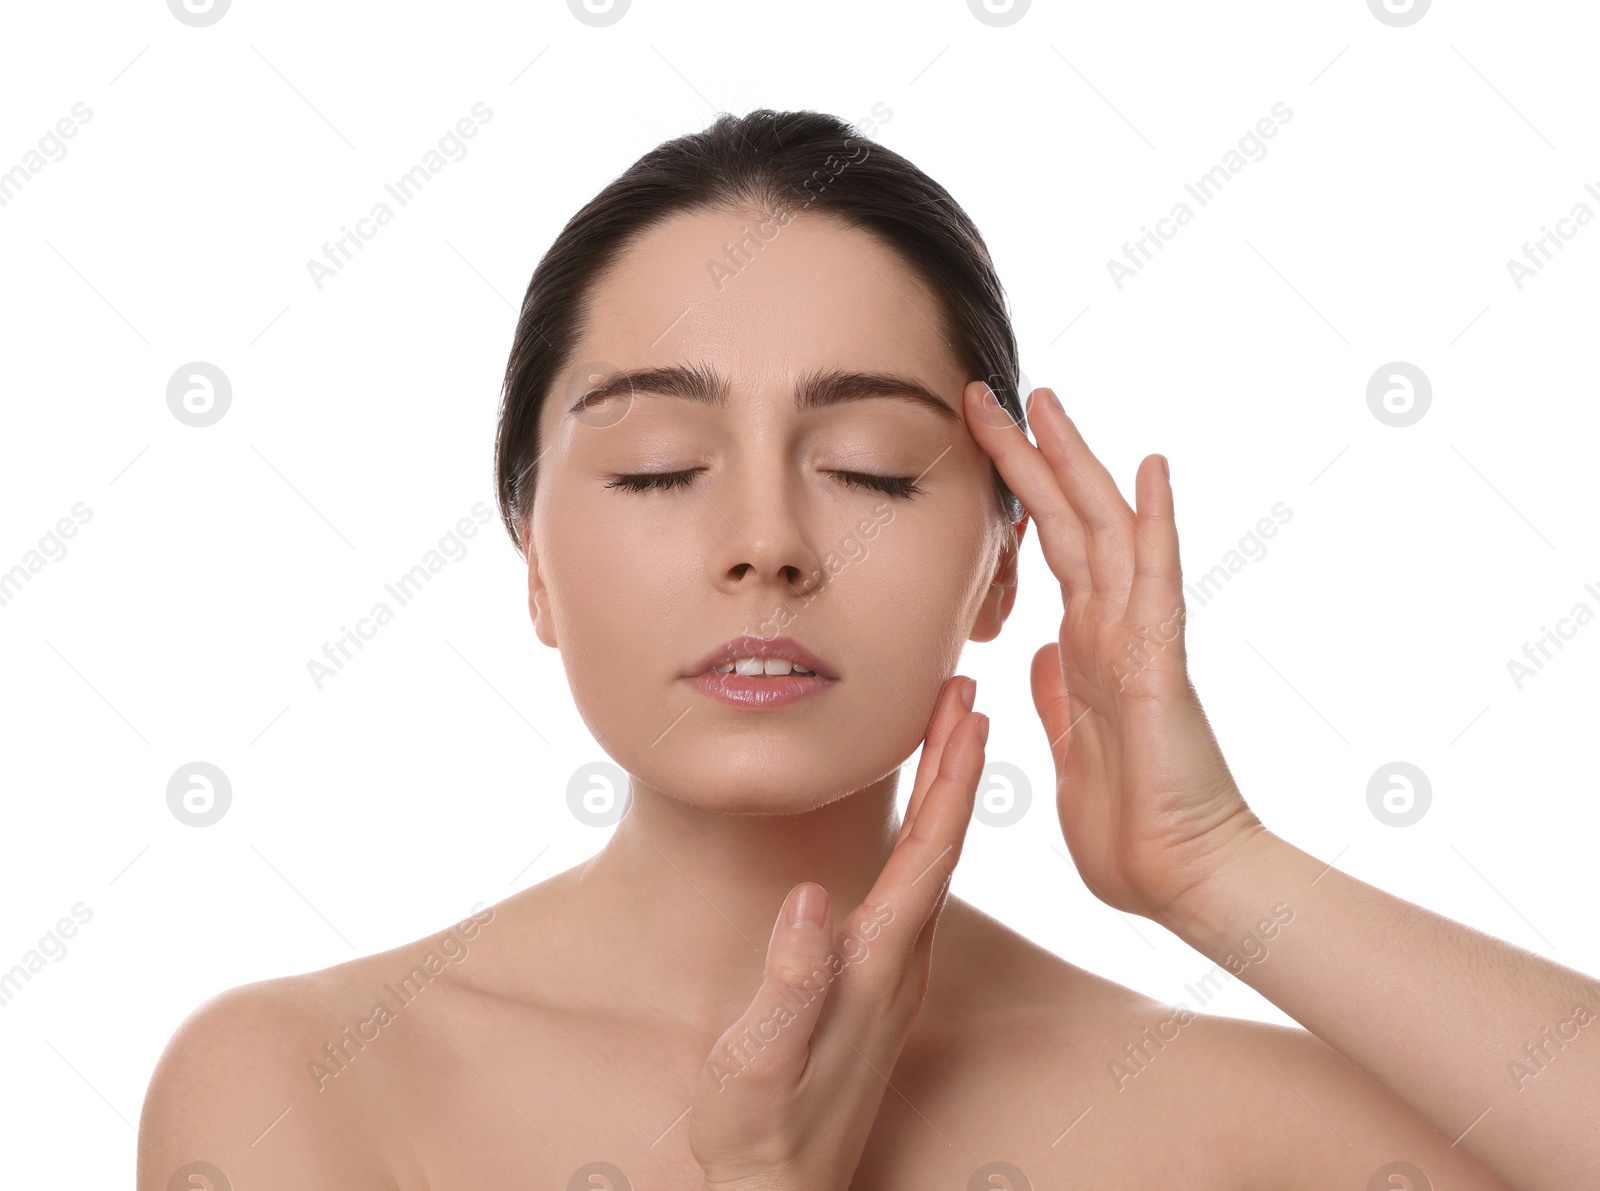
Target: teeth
763, 666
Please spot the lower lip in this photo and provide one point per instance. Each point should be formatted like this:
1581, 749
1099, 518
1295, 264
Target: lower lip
742, 690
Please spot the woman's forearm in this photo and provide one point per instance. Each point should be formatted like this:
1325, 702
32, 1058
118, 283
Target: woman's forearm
1498, 1048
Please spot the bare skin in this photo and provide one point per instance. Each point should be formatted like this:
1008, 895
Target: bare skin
577, 1024
490, 1079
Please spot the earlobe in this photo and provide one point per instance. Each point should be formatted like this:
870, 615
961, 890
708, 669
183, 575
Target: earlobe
1002, 594
538, 596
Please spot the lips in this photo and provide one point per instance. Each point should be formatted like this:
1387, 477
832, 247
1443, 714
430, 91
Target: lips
762, 647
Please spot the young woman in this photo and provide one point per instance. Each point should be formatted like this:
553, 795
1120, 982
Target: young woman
765, 496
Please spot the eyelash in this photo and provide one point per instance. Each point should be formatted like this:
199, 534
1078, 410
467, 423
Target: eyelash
901, 486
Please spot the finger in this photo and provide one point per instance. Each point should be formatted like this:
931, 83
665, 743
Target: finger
1155, 601
956, 698
1031, 477
773, 1037
1093, 494
913, 879
1052, 701
922, 950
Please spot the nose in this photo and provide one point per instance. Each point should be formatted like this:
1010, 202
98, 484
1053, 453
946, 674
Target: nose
763, 536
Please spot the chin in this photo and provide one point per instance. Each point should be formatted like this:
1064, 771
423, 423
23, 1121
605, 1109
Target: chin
812, 787
765, 803
714, 785
717, 779
742, 763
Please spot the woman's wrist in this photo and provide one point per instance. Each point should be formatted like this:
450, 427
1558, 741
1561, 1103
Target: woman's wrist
1210, 916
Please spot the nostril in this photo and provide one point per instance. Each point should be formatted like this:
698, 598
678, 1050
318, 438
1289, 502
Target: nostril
801, 583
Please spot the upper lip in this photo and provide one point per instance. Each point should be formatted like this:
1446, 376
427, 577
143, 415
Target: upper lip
763, 647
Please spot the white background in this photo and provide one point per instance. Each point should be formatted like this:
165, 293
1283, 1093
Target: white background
431, 773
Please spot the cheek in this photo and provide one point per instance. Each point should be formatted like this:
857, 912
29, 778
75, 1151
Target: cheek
618, 647
926, 570
597, 593
908, 608
604, 558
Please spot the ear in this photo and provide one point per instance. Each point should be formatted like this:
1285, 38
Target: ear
538, 594
1002, 593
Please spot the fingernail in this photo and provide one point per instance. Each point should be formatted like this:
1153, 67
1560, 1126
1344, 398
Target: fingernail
969, 692
983, 731
805, 907
1054, 400
1165, 470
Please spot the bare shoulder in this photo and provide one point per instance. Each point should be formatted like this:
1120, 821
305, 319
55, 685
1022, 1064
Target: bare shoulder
1318, 1120
259, 1083
1101, 1079
228, 1102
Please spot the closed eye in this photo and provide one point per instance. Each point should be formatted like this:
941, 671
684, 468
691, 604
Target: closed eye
903, 486
894, 485
654, 479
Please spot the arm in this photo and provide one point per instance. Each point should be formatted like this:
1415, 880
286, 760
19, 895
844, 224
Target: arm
1157, 826
1497, 1048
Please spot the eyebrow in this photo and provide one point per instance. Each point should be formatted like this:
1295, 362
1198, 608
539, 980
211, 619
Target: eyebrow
817, 390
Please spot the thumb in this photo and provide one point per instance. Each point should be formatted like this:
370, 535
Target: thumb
1050, 698
774, 1035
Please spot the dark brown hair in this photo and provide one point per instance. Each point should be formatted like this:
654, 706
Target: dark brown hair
780, 161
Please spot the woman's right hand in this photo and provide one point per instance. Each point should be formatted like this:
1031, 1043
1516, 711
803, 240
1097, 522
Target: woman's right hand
789, 1093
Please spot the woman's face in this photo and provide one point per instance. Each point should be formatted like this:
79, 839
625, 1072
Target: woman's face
767, 537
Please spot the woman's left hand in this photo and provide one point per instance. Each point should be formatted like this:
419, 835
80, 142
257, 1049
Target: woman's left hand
1148, 808
787, 1098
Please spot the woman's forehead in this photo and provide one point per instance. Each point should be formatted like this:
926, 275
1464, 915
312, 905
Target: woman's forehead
759, 296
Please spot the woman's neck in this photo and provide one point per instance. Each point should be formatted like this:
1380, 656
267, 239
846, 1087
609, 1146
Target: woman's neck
685, 899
